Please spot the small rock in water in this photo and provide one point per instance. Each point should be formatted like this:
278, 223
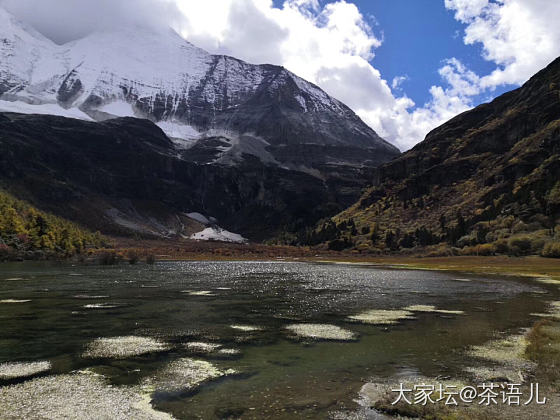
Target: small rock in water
22, 369
123, 347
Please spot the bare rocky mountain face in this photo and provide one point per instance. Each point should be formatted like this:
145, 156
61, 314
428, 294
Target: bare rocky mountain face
219, 114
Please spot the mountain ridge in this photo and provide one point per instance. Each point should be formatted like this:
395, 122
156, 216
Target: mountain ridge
487, 181
155, 74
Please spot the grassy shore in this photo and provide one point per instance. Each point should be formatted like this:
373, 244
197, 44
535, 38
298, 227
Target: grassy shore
216, 251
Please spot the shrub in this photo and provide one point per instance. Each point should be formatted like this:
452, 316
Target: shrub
501, 246
519, 245
486, 249
132, 256
339, 244
520, 227
551, 250
108, 258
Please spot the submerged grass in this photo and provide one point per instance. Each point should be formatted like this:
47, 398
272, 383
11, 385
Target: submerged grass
321, 332
75, 396
247, 328
22, 369
123, 347
430, 308
184, 375
382, 316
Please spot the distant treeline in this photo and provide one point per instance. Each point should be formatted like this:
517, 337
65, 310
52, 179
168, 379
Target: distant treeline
27, 231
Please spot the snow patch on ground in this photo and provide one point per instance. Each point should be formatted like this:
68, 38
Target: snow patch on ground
184, 136
118, 109
43, 109
218, 234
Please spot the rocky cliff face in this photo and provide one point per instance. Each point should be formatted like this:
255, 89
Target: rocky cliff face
155, 74
124, 176
490, 176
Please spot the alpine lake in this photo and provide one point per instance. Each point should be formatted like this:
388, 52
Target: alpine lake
209, 340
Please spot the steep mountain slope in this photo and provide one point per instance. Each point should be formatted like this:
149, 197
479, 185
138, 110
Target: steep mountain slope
155, 74
486, 181
124, 176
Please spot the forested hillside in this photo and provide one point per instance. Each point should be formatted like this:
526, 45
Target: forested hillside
26, 231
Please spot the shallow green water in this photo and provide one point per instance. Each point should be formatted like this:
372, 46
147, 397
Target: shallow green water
280, 377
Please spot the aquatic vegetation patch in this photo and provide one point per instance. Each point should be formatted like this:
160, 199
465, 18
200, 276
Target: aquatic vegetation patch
14, 370
199, 292
229, 352
184, 375
201, 347
508, 357
123, 347
509, 350
75, 396
381, 397
382, 316
15, 300
483, 374
321, 332
101, 306
553, 311
247, 328
430, 308
548, 280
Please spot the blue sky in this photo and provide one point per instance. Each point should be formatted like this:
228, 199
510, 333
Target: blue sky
418, 35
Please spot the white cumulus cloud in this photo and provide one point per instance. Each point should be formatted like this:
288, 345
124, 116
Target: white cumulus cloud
519, 36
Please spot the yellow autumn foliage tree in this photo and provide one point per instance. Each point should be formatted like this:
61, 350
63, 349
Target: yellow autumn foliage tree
25, 228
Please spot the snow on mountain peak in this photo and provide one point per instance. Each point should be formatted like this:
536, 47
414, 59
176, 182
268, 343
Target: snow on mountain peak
154, 73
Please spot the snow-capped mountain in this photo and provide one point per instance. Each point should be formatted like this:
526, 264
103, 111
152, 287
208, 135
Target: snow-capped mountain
260, 110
